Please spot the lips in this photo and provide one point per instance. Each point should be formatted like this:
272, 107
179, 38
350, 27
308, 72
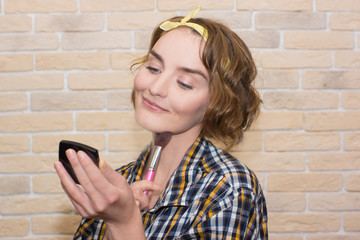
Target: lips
152, 105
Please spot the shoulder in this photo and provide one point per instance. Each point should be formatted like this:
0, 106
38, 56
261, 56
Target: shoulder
223, 165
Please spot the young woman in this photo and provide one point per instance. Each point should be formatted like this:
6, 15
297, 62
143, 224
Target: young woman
196, 83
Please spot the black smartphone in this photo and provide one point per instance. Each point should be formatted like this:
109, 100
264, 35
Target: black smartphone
65, 145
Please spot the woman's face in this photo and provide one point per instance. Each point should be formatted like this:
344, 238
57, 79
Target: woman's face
172, 90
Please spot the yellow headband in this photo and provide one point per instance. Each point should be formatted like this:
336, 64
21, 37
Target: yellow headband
167, 26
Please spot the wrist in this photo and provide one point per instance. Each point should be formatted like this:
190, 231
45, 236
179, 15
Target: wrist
131, 228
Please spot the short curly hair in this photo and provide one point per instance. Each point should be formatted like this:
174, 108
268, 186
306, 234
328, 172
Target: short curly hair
234, 102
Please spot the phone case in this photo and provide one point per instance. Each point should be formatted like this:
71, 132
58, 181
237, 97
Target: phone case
65, 145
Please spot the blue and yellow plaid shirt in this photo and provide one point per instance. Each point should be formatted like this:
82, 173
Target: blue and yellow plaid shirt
211, 195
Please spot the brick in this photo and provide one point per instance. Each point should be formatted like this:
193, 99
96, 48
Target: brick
304, 100
120, 100
129, 141
15, 23
290, 20
72, 60
77, 100
166, 5
293, 141
334, 161
346, 21
14, 227
278, 5
96, 40
16, 63
27, 163
351, 221
25, 42
109, 80
14, 143
31, 81
260, 39
334, 201
337, 5
277, 79
118, 159
69, 23
55, 224
35, 122
124, 60
278, 120
268, 162
285, 202
10, 185
333, 236
13, 102
106, 121
329, 121
304, 182
351, 141
50, 142
35, 205
274, 236
142, 40
307, 59
318, 40
112, 6
352, 182
234, 20
304, 222
252, 141
131, 21
331, 79
36, 6
350, 100
46, 184
344, 59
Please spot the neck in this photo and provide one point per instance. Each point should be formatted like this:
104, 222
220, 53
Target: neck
172, 154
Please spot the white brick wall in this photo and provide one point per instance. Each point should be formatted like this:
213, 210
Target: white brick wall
64, 74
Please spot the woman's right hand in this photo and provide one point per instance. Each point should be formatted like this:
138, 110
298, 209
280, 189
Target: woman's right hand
142, 200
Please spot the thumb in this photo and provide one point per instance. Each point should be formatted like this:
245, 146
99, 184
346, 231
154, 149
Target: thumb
110, 174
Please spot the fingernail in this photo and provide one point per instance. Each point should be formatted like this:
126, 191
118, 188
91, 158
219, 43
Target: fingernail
70, 152
102, 163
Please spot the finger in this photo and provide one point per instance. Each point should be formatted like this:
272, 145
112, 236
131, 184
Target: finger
144, 185
78, 207
79, 162
75, 194
141, 199
112, 176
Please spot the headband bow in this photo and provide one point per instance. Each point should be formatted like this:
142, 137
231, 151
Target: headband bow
168, 25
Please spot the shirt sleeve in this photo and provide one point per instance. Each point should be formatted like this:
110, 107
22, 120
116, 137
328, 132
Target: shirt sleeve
243, 216
90, 229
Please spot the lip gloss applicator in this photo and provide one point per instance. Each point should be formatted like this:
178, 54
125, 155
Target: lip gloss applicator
160, 140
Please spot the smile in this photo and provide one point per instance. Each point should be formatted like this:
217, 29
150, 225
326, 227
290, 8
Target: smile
152, 106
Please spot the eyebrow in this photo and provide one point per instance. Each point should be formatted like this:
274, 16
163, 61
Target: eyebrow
184, 69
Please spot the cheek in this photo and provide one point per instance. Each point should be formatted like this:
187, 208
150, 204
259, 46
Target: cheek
194, 108
139, 83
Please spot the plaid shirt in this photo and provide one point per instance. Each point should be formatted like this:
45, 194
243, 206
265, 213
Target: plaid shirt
211, 195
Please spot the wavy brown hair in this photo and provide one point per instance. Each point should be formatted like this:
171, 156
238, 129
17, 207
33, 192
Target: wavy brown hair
234, 102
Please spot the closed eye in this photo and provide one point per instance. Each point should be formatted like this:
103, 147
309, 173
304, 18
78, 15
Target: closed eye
185, 86
152, 69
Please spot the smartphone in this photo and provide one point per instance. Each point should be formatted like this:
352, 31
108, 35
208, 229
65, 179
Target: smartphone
76, 146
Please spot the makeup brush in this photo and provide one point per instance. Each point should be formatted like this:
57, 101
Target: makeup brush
160, 140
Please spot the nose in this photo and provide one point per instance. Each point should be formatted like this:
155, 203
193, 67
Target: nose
160, 86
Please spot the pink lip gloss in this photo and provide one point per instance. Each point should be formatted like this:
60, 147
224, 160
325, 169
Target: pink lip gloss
161, 139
